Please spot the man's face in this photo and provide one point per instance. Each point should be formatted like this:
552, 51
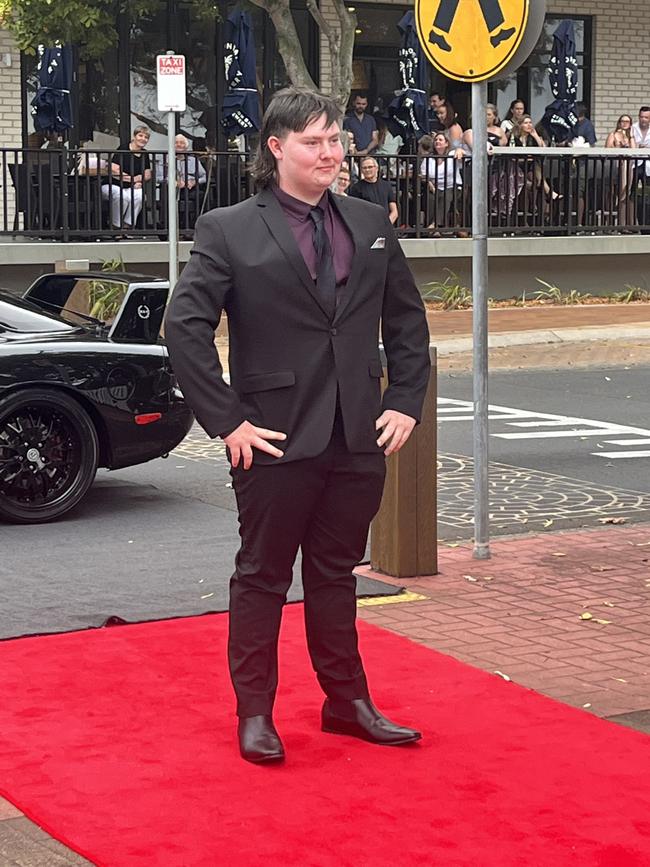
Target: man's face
369, 171
343, 181
435, 101
644, 120
180, 143
309, 161
360, 104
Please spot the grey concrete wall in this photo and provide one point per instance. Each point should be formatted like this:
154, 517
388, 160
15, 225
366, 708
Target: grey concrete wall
599, 265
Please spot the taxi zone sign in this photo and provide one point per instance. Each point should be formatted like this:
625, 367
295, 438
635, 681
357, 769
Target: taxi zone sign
170, 80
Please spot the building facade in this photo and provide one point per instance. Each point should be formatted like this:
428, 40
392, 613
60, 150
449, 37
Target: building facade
118, 92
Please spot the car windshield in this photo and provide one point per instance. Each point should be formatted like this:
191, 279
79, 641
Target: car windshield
22, 316
78, 298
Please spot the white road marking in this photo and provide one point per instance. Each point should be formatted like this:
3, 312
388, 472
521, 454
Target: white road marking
534, 422
547, 434
645, 454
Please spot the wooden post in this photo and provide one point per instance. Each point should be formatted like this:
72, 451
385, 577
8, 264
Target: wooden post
404, 538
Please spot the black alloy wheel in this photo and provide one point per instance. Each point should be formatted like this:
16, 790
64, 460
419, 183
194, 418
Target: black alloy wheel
48, 455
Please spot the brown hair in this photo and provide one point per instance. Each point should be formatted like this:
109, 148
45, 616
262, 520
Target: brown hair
291, 110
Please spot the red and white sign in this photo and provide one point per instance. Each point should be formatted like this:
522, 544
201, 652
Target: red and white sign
170, 80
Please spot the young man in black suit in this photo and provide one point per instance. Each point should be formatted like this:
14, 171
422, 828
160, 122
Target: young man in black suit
306, 278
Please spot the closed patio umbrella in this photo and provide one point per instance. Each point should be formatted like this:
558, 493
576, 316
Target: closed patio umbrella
52, 105
408, 111
240, 112
560, 116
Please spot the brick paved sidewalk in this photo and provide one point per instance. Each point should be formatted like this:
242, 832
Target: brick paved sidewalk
458, 323
520, 613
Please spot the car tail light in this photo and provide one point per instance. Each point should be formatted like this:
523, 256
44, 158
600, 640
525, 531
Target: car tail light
148, 417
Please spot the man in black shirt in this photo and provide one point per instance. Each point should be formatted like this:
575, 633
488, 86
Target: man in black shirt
372, 188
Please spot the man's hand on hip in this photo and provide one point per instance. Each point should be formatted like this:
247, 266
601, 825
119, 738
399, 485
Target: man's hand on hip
246, 437
397, 429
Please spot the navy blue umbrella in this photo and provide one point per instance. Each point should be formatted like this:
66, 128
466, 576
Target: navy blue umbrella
408, 111
52, 105
240, 112
560, 116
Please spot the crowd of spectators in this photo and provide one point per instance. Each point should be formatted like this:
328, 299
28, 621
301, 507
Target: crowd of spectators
428, 181
423, 182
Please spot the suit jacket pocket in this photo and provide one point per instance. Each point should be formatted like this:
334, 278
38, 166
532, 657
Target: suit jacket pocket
255, 382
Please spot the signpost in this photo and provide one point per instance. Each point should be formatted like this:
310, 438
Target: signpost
170, 81
474, 41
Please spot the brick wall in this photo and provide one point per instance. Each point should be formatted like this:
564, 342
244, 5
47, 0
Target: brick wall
10, 125
620, 80
10, 131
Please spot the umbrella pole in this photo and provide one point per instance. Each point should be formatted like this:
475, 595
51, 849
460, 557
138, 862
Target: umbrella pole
480, 319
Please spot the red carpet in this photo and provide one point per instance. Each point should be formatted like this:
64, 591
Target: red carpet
120, 742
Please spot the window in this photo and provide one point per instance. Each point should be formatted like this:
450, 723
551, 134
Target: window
531, 81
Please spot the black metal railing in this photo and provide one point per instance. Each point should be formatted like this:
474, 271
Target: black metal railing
93, 194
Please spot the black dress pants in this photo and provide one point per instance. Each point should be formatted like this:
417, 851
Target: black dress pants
324, 506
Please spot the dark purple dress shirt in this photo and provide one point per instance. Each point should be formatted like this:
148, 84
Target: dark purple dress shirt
297, 213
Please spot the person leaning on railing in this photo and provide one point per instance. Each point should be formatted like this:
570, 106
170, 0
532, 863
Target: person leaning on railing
125, 190
499, 200
529, 172
441, 173
622, 137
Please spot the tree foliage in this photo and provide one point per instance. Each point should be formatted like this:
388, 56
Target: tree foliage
90, 24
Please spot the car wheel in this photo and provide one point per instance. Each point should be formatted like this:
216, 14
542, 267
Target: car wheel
48, 455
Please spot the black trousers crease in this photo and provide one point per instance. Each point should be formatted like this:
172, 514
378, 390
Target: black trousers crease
323, 506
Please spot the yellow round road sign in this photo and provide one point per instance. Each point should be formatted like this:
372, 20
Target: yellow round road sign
471, 40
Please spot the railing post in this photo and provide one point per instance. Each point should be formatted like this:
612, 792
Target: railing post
403, 535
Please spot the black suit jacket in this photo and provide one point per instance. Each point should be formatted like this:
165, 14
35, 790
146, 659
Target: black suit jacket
287, 359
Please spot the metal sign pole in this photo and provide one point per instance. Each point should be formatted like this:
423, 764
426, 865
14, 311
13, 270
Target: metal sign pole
479, 316
172, 213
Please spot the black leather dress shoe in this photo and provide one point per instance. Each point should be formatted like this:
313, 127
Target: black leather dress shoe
259, 740
361, 719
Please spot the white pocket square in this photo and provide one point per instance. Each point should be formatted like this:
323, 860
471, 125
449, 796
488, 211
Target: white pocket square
379, 244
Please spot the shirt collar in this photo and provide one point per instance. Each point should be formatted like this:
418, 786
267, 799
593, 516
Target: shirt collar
296, 208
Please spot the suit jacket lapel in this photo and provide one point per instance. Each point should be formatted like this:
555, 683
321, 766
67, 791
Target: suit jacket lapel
360, 253
275, 219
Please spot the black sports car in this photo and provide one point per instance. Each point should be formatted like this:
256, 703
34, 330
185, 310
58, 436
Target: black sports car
85, 382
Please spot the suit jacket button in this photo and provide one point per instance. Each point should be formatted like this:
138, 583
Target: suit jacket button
333, 332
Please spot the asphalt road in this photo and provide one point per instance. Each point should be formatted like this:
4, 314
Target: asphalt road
159, 540
579, 438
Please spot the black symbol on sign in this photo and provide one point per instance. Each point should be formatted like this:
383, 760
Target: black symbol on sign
492, 15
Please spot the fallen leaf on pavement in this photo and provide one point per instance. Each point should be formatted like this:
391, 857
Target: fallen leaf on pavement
587, 705
470, 578
558, 554
608, 378
620, 679
207, 596
504, 676
620, 520
608, 604
602, 568
586, 616
548, 522
602, 622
